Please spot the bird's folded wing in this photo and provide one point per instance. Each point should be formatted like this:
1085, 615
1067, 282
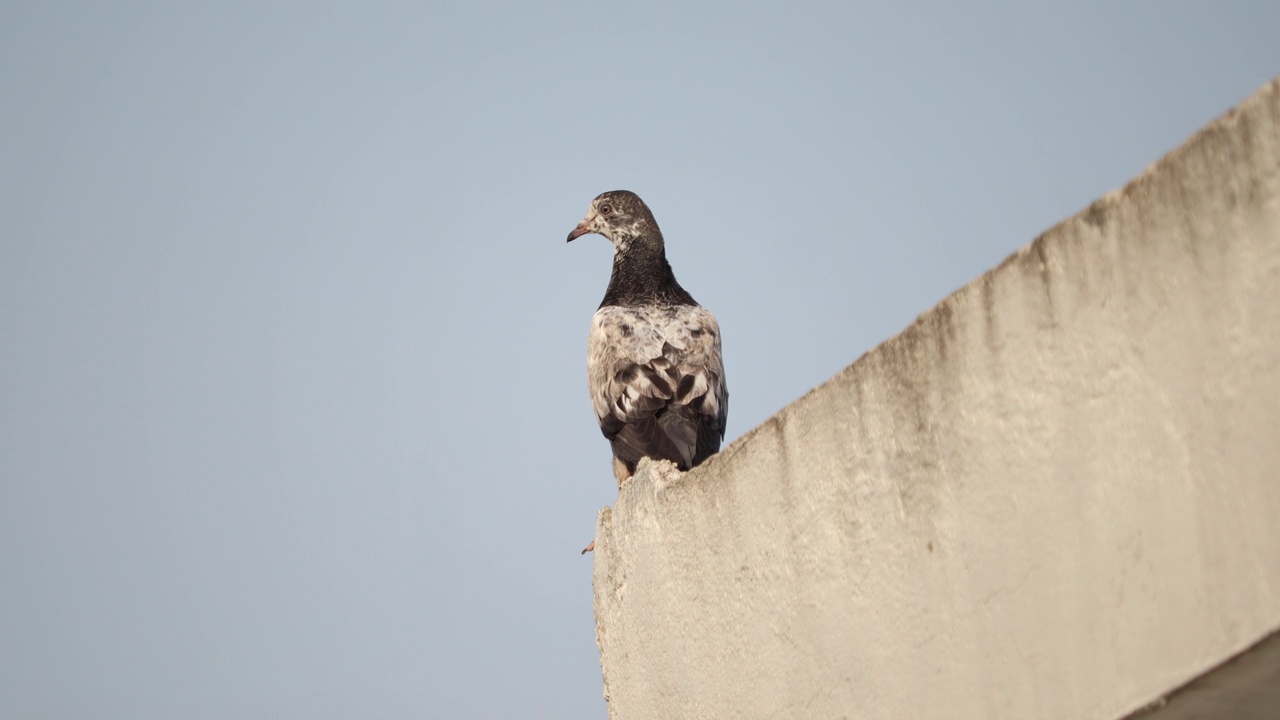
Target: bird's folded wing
641, 359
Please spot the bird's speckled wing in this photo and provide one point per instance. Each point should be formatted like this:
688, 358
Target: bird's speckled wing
656, 378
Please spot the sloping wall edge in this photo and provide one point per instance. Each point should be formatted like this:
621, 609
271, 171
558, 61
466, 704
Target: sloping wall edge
1054, 495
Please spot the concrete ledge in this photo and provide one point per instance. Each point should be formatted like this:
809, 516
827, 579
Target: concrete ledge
1246, 687
1054, 495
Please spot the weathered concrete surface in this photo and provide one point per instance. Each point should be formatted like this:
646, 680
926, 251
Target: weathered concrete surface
1055, 495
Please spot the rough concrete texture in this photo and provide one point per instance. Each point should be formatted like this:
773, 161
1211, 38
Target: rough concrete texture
1055, 495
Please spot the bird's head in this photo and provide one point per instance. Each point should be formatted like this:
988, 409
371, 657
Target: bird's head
620, 216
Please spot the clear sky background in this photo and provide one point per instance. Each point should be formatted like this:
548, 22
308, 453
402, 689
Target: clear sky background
293, 409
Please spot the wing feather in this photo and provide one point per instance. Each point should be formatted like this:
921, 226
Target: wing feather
656, 378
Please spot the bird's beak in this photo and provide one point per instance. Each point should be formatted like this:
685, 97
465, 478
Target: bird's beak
586, 226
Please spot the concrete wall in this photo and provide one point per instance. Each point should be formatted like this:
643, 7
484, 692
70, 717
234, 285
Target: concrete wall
1055, 495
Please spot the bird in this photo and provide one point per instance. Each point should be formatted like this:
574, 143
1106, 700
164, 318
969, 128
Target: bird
655, 371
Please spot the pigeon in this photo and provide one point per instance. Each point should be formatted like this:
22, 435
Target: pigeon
654, 368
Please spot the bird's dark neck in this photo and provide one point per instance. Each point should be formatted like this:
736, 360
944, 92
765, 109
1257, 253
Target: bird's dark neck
642, 276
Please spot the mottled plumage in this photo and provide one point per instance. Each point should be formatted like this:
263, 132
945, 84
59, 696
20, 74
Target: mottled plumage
654, 368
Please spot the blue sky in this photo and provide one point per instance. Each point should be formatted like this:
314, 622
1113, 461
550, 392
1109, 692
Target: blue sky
293, 410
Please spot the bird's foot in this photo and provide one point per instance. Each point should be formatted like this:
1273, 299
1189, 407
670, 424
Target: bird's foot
620, 472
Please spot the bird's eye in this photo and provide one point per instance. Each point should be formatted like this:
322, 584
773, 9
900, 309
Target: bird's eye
606, 209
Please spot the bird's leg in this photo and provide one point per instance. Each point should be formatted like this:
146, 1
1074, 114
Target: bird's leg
622, 474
